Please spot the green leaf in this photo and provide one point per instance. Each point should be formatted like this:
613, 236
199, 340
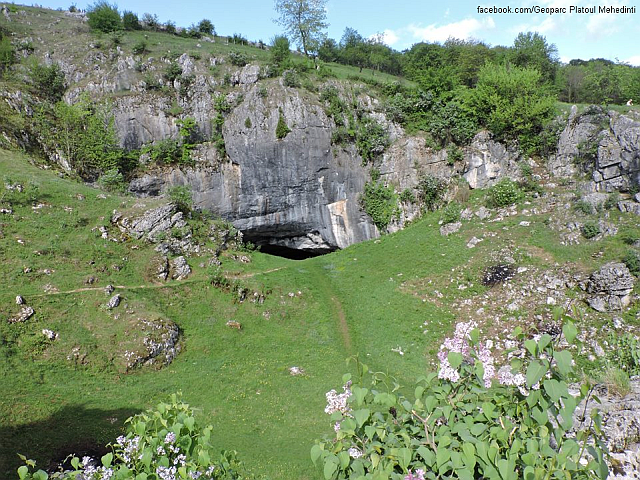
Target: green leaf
146, 457
529, 473
23, 471
507, 469
469, 452
477, 429
361, 416
404, 457
555, 389
140, 428
107, 459
444, 441
141, 476
564, 361
316, 453
531, 346
189, 422
329, 469
569, 331
75, 463
343, 457
442, 456
535, 372
427, 455
544, 341
359, 394
40, 475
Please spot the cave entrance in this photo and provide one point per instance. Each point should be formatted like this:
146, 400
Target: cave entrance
291, 253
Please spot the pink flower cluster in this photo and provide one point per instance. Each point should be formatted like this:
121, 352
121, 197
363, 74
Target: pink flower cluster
338, 403
459, 343
419, 475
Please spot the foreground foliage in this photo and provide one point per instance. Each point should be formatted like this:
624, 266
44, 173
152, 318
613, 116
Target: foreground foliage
158, 444
467, 421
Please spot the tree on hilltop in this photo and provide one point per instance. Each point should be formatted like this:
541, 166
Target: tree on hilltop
104, 17
304, 21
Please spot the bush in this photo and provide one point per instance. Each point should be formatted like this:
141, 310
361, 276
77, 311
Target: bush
380, 202
407, 196
469, 420
624, 352
583, 207
280, 53
205, 26
454, 154
112, 181
158, 443
612, 201
632, 261
290, 78
371, 139
7, 54
282, 130
431, 190
504, 193
181, 197
451, 213
130, 21
172, 72
104, 17
237, 59
140, 48
590, 229
511, 103
48, 81
165, 151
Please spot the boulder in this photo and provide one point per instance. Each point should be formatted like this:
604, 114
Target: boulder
180, 268
610, 287
449, 228
114, 301
25, 314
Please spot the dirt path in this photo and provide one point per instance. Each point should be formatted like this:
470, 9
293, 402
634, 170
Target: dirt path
154, 285
342, 323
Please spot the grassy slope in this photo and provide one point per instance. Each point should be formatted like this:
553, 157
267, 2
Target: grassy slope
238, 379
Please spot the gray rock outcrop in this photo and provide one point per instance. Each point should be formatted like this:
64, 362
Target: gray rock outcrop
488, 161
25, 314
610, 287
114, 301
604, 144
180, 268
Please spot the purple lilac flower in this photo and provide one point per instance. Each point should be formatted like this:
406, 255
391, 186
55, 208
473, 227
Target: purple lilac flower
418, 476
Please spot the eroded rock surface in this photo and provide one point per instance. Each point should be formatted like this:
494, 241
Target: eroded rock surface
610, 287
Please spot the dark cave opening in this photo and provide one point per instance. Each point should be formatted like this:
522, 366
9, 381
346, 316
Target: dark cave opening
291, 253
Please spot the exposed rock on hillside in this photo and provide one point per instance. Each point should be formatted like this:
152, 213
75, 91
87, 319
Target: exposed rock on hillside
606, 144
610, 287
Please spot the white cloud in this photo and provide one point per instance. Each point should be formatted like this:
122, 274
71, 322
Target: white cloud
389, 37
462, 29
635, 60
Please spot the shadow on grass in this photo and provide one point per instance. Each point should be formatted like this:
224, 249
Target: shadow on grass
72, 430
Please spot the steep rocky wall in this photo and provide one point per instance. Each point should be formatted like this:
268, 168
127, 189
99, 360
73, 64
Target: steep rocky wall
605, 145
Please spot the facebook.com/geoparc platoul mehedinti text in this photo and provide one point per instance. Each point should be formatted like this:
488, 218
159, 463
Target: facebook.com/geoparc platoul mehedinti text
573, 9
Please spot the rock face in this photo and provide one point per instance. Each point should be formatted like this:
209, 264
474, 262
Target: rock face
604, 144
610, 287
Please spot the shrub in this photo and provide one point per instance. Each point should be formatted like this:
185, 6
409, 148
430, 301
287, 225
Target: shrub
451, 213
510, 102
140, 48
431, 190
48, 81
247, 122
371, 139
180, 195
590, 229
504, 193
172, 72
407, 196
469, 420
612, 201
380, 202
205, 26
150, 21
7, 54
130, 21
584, 207
280, 54
165, 151
112, 181
237, 59
290, 78
153, 443
454, 154
104, 17
282, 130
632, 261
624, 352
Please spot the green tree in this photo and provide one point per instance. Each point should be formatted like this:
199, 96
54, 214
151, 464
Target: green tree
130, 21
304, 21
280, 53
205, 26
510, 102
104, 17
48, 81
531, 50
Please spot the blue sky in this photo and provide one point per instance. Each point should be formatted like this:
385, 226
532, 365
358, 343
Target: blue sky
405, 22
